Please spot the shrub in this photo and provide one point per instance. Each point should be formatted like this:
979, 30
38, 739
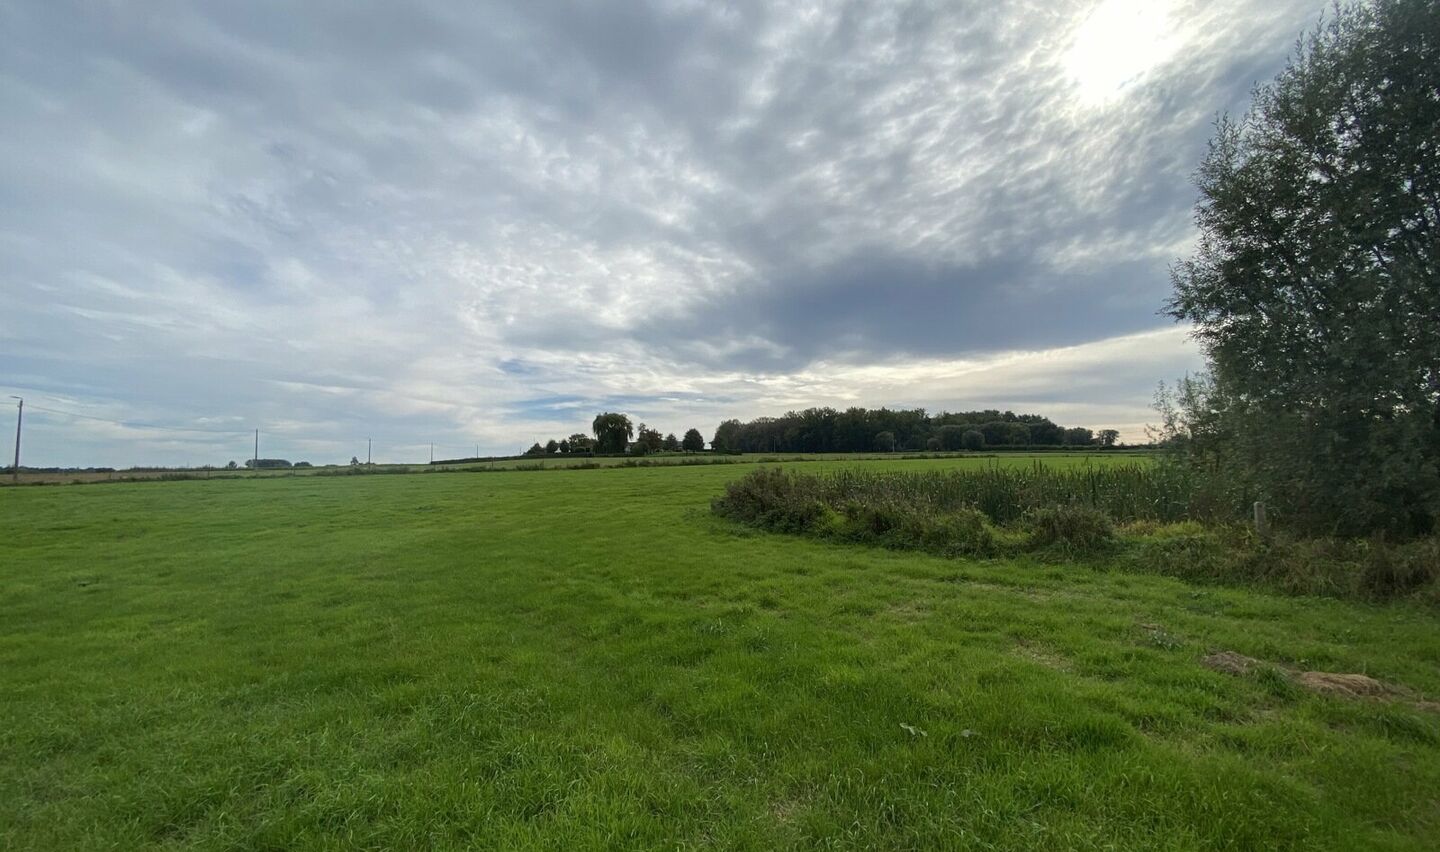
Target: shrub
777, 500
1074, 528
966, 532
1073, 513
1390, 570
772, 498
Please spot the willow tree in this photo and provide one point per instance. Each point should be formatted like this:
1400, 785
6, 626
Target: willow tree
612, 432
1313, 288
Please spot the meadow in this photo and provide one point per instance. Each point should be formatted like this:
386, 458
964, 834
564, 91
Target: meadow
566, 462
593, 659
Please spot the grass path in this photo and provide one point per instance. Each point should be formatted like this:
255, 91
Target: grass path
588, 659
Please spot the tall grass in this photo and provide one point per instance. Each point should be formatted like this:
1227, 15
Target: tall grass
1158, 492
1156, 518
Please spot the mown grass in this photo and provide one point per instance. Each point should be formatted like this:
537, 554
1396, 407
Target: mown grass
589, 659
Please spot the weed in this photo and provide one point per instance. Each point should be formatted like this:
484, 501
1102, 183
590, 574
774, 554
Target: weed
1071, 528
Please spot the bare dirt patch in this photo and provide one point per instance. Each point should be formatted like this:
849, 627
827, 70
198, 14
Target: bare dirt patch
1340, 684
1346, 685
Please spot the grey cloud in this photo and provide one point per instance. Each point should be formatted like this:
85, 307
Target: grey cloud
879, 306
200, 204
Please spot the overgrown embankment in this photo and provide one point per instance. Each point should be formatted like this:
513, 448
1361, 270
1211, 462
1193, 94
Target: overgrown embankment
1156, 518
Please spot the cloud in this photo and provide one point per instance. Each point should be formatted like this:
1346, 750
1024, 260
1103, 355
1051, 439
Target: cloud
482, 223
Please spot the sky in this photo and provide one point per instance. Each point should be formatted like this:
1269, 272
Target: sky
477, 225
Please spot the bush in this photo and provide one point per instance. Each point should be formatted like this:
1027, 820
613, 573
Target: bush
774, 499
1387, 571
965, 532
1074, 528
1072, 514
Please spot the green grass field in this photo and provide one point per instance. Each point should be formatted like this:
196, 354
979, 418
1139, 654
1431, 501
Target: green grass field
565, 462
590, 659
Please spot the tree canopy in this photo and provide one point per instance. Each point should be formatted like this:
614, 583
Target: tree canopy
828, 430
1313, 288
648, 440
612, 432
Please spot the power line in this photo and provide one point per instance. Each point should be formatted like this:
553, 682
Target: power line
282, 432
133, 425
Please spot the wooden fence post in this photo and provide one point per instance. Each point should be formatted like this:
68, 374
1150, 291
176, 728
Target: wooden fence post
1262, 528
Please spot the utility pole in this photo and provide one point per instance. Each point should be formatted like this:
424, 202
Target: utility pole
432, 452
367, 452
255, 465
19, 418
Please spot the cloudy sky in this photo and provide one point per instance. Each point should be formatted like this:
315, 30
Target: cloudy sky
479, 224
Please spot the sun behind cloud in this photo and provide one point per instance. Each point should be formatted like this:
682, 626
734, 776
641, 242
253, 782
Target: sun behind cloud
1118, 43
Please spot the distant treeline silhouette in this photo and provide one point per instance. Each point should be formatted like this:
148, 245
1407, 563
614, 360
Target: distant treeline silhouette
827, 430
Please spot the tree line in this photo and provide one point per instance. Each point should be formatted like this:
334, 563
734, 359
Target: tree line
858, 430
612, 434
828, 430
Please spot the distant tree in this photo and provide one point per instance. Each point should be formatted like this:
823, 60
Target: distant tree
996, 432
853, 430
693, 442
951, 436
232, 465
535, 450
1043, 432
1313, 287
672, 443
268, 464
580, 443
973, 439
727, 436
1079, 436
1108, 437
303, 464
612, 432
933, 444
885, 442
552, 446
649, 439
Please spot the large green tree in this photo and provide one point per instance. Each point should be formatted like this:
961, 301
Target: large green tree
951, 436
727, 436
648, 440
1314, 289
612, 432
